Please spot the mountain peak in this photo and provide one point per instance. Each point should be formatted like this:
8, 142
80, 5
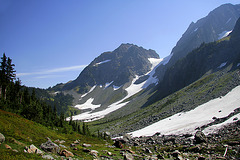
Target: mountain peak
119, 67
235, 35
207, 29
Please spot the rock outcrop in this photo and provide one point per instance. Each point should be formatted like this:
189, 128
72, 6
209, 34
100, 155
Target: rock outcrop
49, 146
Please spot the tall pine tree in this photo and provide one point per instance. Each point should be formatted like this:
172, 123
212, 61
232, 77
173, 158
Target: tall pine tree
6, 74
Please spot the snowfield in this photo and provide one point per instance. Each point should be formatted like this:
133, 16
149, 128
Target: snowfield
131, 90
87, 105
187, 122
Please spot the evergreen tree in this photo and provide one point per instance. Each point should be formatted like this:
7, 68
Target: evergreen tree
3, 78
10, 75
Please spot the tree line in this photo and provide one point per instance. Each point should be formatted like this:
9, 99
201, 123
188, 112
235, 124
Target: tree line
18, 99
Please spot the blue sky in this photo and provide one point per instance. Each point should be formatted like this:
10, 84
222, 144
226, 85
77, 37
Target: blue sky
51, 41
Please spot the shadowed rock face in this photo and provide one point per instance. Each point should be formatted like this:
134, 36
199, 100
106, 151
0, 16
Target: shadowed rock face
118, 67
205, 30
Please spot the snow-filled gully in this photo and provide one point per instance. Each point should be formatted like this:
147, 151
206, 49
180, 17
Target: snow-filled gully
131, 90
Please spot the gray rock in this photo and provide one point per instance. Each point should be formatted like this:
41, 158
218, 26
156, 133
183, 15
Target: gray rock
147, 150
200, 137
175, 153
33, 149
128, 156
127, 137
49, 146
66, 153
47, 157
86, 145
60, 145
94, 153
2, 138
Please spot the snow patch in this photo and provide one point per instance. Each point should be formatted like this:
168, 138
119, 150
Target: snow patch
108, 84
88, 116
131, 90
102, 62
195, 30
215, 128
188, 121
87, 105
224, 34
88, 92
222, 65
116, 87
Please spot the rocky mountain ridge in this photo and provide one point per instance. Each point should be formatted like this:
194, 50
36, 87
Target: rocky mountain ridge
208, 29
111, 95
117, 67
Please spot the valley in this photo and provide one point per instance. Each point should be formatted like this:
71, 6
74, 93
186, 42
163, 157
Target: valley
130, 103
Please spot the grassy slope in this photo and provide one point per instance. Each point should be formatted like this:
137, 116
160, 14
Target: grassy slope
15, 128
210, 86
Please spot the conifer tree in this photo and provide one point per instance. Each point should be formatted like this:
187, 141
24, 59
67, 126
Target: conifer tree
6, 74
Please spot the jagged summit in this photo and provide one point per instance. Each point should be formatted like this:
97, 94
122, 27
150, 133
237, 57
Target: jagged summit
216, 25
117, 67
207, 29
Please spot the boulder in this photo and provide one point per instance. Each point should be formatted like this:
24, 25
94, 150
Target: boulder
86, 150
118, 144
2, 138
47, 157
126, 137
200, 137
175, 153
66, 153
94, 153
7, 146
49, 146
128, 156
147, 150
60, 145
76, 142
33, 149
86, 145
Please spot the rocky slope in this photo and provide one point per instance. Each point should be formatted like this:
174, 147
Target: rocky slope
217, 24
118, 68
209, 72
113, 85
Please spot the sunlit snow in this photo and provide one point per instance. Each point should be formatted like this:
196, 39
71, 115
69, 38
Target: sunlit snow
116, 87
222, 65
224, 34
102, 62
214, 128
187, 122
88, 105
88, 92
108, 84
131, 90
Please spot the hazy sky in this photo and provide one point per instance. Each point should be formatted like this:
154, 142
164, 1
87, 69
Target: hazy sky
51, 41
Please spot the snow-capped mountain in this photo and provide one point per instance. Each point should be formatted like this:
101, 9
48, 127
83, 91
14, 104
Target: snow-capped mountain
134, 83
216, 25
112, 78
114, 68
